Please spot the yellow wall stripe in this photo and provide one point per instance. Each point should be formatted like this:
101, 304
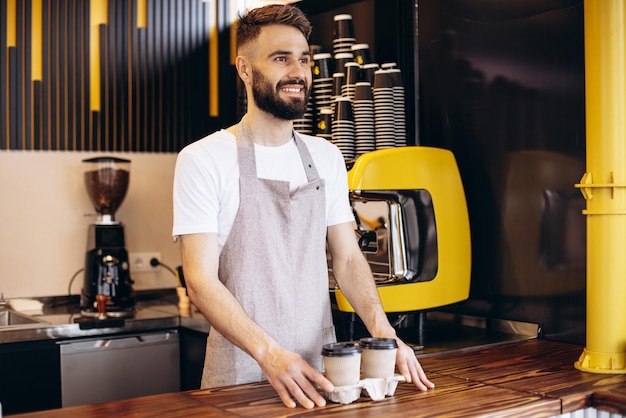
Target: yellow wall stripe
214, 81
142, 13
37, 40
97, 16
11, 23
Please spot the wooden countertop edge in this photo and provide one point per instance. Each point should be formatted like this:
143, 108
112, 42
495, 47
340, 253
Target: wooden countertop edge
529, 379
610, 400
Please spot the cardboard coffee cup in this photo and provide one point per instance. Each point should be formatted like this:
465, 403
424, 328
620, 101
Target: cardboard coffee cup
341, 59
321, 65
352, 70
343, 26
343, 109
367, 72
382, 79
363, 91
338, 81
361, 53
342, 362
378, 357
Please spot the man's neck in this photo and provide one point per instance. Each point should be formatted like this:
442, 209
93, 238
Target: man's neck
267, 130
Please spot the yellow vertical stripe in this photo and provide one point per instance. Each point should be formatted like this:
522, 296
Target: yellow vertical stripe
97, 16
234, 9
213, 60
37, 40
11, 23
142, 13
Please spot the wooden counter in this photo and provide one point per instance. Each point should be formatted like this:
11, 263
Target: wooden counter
532, 378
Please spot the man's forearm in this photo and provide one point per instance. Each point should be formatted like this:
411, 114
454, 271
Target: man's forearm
355, 280
225, 315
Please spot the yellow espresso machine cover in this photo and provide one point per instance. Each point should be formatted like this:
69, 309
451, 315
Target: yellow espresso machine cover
434, 170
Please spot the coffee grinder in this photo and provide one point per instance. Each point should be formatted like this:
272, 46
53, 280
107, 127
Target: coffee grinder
107, 277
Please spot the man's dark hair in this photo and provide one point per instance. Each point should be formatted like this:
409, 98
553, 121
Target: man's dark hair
250, 24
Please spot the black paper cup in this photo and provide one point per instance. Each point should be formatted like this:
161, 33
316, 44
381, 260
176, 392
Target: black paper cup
352, 70
396, 77
324, 121
363, 91
361, 53
339, 80
343, 109
367, 72
341, 59
322, 64
343, 27
382, 79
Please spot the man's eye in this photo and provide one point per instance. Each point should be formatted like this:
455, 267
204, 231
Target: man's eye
281, 59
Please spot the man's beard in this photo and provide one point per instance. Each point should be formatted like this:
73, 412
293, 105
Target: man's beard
267, 97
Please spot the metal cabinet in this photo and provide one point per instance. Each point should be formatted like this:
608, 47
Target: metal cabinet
121, 367
29, 374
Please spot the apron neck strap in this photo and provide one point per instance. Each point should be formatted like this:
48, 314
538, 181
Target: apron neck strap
247, 159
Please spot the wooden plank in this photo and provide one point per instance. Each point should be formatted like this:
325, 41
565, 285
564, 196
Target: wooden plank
535, 366
611, 400
166, 405
454, 395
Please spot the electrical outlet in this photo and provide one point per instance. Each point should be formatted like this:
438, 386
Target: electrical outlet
140, 262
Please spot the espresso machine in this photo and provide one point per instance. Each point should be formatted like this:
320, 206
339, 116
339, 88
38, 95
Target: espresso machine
412, 225
107, 290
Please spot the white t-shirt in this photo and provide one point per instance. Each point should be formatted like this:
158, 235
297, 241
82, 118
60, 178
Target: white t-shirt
206, 181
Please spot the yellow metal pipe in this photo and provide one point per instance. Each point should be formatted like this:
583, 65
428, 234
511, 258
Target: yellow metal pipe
604, 186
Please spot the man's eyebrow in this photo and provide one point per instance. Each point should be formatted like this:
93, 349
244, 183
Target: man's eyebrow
288, 52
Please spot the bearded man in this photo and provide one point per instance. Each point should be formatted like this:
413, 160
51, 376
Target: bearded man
254, 207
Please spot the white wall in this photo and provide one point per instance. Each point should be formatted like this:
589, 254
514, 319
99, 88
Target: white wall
44, 222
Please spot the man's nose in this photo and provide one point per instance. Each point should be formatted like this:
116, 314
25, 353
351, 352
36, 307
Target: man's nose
299, 70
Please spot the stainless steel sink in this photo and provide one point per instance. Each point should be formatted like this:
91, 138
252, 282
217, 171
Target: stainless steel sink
12, 319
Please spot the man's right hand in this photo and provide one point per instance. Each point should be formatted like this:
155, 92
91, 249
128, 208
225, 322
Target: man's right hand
292, 377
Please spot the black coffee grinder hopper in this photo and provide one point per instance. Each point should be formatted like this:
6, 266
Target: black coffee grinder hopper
107, 290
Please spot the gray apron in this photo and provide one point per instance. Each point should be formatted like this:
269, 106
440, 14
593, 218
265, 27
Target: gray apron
274, 263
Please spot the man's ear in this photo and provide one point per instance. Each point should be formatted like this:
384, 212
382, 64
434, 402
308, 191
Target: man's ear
243, 68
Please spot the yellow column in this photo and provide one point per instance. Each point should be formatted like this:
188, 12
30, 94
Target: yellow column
604, 186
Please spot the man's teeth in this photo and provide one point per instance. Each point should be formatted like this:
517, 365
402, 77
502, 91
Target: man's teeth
292, 90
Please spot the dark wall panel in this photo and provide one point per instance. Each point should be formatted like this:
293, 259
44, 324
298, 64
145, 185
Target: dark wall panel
153, 80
